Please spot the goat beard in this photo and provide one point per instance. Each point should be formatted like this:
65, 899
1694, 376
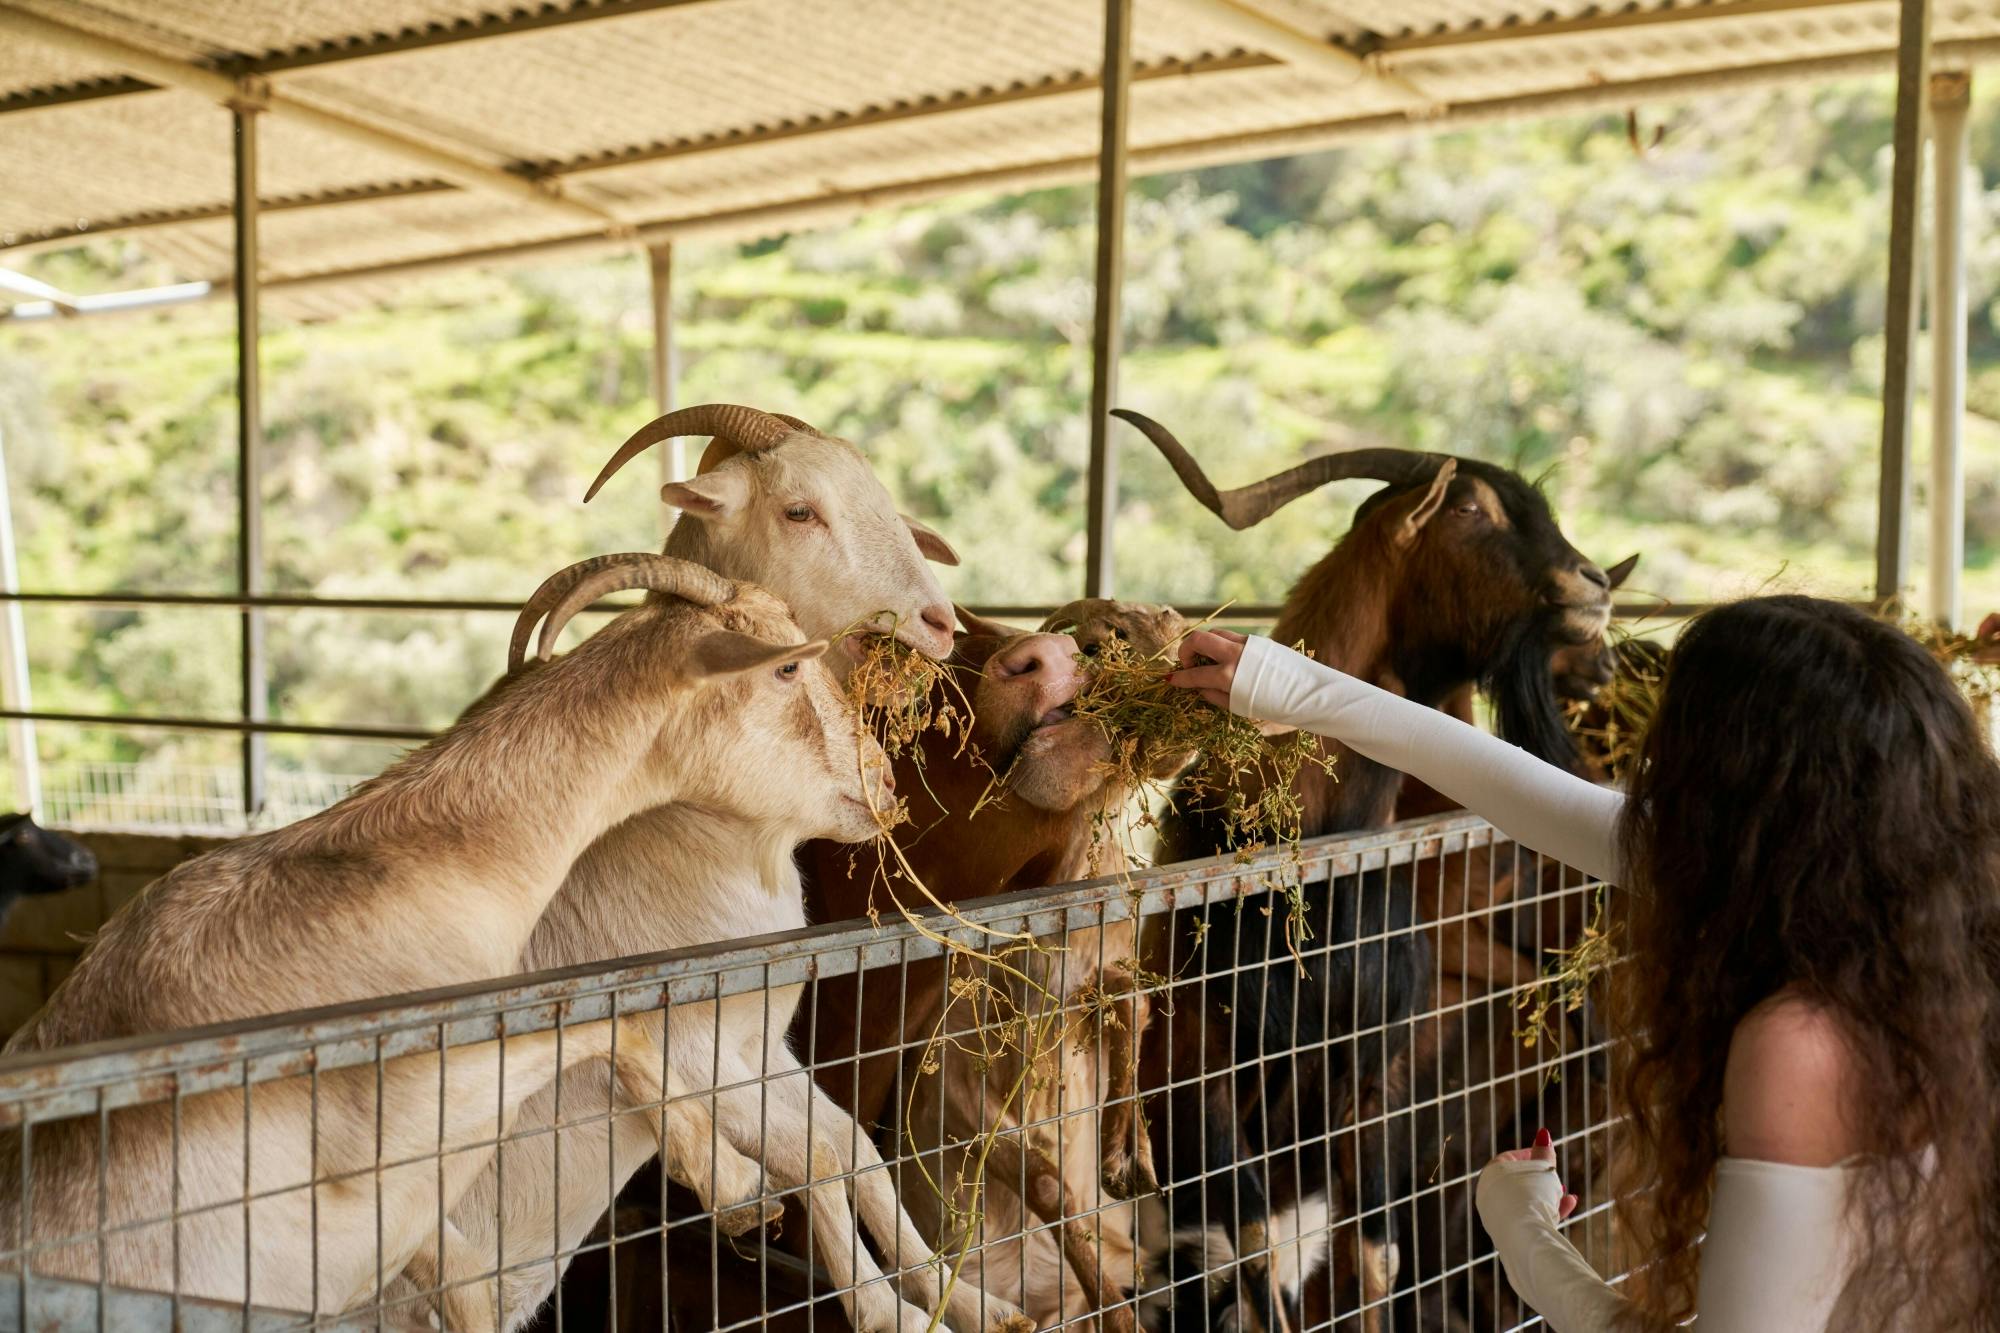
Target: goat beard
1525, 709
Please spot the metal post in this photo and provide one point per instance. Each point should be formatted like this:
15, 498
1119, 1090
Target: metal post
1899, 326
666, 363
14, 689
1106, 340
249, 456
1951, 93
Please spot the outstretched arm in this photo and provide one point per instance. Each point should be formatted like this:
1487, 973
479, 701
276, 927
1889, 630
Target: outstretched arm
1539, 805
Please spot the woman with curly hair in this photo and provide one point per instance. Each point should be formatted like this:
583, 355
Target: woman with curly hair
1810, 994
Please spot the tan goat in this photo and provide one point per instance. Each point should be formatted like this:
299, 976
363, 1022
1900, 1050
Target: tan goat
801, 512
427, 875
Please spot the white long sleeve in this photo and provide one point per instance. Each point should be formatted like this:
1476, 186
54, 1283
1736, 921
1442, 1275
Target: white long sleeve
1538, 805
1773, 1261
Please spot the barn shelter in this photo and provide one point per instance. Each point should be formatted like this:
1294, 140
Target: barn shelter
374, 140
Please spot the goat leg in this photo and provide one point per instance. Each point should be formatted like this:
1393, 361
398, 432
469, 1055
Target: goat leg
1008, 1157
445, 1269
693, 1154
1123, 1146
968, 1309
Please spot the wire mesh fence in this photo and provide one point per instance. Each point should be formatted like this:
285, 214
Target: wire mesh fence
1249, 1090
193, 797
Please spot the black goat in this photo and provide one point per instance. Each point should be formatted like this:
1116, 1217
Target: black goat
33, 860
1455, 573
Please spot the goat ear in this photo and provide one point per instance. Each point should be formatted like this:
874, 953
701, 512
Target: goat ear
725, 652
1618, 573
710, 495
1427, 506
984, 627
934, 547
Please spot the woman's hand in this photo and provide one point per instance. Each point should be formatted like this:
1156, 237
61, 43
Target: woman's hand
1988, 637
1543, 1151
1208, 664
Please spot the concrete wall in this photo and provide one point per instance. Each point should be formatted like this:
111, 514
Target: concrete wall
42, 936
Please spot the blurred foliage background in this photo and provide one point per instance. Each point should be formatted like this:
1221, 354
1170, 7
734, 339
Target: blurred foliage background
1683, 345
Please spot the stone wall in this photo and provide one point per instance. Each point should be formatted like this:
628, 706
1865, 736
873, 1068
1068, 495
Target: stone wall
42, 936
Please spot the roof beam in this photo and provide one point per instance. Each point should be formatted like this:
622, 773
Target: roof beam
1250, 23
1391, 50
825, 209
1078, 85
347, 50
253, 91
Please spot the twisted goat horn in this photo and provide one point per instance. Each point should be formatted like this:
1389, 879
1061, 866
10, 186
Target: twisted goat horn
1247, 506
736, 430
584, 582
551, 592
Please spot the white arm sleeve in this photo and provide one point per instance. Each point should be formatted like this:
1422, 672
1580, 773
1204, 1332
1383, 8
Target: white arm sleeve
1517, 1203
1774, 1260
1776, 1254
1538, 805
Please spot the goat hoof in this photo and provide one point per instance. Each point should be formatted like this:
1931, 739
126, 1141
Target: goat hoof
748, 1217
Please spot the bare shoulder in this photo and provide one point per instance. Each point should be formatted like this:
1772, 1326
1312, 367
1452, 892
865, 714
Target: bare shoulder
1787, 1087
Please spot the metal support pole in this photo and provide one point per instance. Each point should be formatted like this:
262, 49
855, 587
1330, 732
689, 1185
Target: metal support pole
666, 363
1106, 340
1951, 94
14, 691
249, 457
1899, 326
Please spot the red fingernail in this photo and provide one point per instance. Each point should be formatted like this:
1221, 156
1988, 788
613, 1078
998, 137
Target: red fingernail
1542, 1139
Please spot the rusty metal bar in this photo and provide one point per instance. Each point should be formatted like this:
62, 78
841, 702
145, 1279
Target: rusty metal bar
254, 684
665, 362
1899, 325
1107, 337
728, 968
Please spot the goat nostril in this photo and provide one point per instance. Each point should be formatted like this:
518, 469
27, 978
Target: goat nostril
938, 618
1596, 575
888, 782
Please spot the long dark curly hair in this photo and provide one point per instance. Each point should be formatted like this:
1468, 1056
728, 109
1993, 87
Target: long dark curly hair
1815, 811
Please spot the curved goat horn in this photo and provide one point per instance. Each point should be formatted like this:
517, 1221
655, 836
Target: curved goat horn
744, 429
551, 592
655, 573
1247, 506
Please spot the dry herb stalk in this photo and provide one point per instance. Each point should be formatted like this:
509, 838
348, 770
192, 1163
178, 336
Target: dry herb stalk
1239, 773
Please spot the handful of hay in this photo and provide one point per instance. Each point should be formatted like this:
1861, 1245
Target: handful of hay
1239, 773
901, 694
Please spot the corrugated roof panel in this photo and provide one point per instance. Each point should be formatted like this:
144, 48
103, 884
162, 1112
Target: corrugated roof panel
749, 108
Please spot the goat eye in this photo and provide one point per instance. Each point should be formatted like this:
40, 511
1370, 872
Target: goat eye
789, 671
799, 513
1470, 509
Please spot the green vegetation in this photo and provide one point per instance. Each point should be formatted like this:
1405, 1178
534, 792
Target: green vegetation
1685, 345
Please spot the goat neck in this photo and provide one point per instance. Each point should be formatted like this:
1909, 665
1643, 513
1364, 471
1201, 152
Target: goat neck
551, 738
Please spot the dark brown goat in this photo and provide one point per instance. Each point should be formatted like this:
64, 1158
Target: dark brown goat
1454, 573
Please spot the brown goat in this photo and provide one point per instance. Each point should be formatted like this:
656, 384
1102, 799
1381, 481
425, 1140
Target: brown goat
1056, 820
1454, 573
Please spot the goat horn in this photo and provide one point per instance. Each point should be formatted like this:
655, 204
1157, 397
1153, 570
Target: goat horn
736, 429
1247, 506
551, 592
655, 573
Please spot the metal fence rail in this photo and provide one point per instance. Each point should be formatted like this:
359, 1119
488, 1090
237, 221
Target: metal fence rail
350, 1160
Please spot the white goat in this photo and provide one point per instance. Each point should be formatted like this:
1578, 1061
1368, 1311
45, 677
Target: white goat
425, 876
800, 512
